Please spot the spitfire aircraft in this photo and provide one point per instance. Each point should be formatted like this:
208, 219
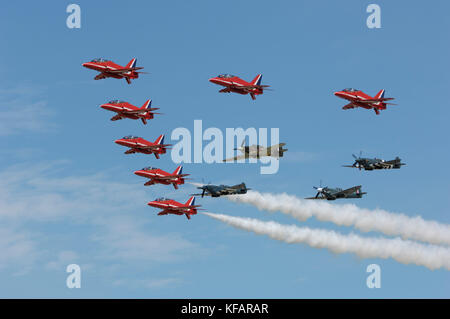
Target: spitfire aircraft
109, 69
235, 84
169, 206
370, 164
158, 176
335, 193
358, 98
258, 151
221, 190
139, 145
127, 110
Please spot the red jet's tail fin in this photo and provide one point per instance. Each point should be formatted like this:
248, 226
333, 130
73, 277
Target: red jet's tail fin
131, 64
160, 139
190, 201
257, 80
379, 105
178, 170
147, 104
380, 95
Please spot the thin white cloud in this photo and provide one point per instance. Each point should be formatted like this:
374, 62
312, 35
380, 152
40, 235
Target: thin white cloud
36, 194
64, 258
123, 238
23, 110
149, 283
17, 249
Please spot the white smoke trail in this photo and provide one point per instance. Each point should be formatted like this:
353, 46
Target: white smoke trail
366, 220
403, 251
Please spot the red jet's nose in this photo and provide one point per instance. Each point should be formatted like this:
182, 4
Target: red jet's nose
212, 80
139, 173
119, 141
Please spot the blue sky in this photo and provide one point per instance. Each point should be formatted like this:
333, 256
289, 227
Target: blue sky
67, 192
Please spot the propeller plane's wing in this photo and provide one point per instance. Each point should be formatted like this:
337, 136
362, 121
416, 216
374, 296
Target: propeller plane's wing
236, 158
349, 191
316, 197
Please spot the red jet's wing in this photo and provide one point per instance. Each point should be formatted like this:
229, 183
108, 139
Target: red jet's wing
247, 88
124, 70
348, 106
164, 178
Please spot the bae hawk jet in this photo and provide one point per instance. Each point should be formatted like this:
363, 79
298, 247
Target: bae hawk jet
170, 206
109, 69
233, 83
358, 98
127, 110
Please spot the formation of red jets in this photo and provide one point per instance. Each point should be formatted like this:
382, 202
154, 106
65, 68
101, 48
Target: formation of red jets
231, 83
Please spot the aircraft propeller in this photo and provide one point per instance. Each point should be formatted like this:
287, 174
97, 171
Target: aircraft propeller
242, 145
320, 189
357, 162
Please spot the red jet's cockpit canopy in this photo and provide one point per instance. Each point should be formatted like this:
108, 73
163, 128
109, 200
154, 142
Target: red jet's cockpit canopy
149, 168
350, 90
130, 137
162, 199
115, 102
99, 60
225, 76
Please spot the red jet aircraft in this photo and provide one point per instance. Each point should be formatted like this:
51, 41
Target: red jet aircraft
158, 176
127, 110
139, 145
169, 206
358, 98
235, 84
109, 69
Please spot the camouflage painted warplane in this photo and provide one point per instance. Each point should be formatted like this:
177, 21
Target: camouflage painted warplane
258, 151
221, 190
370, 164
335, 193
